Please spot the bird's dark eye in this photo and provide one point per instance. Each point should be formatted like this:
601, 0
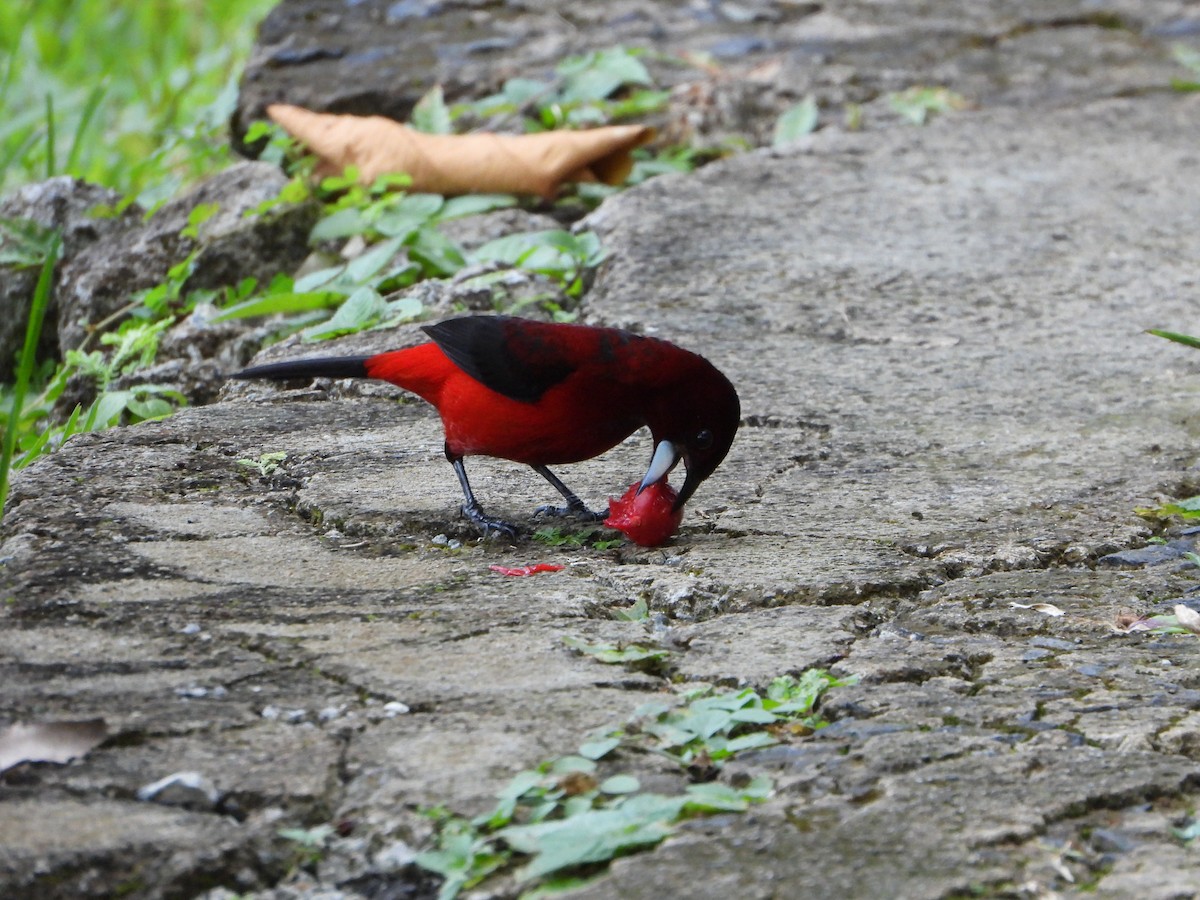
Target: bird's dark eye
704, 439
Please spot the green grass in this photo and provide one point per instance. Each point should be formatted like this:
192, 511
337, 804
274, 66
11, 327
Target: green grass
33, 330
128, 94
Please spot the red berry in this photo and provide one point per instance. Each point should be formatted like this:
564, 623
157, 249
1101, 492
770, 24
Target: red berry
647, 518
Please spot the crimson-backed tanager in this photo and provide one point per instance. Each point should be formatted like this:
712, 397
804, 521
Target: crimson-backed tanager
544, 394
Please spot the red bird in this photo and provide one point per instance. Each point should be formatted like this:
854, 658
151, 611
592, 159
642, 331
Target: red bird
544, 394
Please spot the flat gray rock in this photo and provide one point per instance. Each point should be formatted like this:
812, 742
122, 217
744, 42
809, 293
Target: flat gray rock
950, 408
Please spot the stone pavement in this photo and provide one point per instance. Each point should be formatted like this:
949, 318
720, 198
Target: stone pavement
950, 408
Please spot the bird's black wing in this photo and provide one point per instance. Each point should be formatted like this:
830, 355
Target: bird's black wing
518, 358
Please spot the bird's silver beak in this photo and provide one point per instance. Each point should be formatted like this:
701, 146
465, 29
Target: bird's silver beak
665, 458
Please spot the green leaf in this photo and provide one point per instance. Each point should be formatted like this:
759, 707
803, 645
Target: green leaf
916, 103
751, 741
319, 278
797, 121
365, 266
1187, 340
24, 243
518, 91
594, 76
553, 252
412, 212
639, 103
565, 764
270, 304
439, 255
755, 715
107, 409
613, 654
639, 612
200, 214
715, 797
1189, 832
593, 836
361, 309
474, 204
599, 748
463, 858
343, 223
553, 887
430, 115
1186, 56
398, 311
145, 408
517, 787
619, 784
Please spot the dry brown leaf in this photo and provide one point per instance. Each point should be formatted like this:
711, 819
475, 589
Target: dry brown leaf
463, 163
1128, 622
57, 742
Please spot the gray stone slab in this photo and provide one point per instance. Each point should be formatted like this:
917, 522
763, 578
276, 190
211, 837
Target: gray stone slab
950, 407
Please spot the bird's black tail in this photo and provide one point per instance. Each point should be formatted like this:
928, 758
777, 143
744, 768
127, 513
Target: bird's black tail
321, 367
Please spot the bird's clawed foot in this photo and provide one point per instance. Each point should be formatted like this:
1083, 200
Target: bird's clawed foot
575, 510
489, 525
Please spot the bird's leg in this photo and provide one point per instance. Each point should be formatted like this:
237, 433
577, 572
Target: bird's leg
471, 508
574, 507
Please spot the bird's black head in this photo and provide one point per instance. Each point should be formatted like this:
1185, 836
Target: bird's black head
694, 421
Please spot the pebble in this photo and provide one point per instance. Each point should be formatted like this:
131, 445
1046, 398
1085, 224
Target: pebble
1150, 555
1049, 643
191, 789
199, 693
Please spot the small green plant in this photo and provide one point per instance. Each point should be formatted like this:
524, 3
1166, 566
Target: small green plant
131, 347
591, 89
559, 821
634, 655
917, 104
639, 612
1189, 58
309, 844
717, 725
266, 465
24, 243
554, 536
1189, 831
796, 122
560, 255
406, 246
1188, 508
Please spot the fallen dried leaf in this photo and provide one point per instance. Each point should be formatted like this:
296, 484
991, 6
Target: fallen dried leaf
1128, 622
1048, 609
1131, 623
463, 163
55, 742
